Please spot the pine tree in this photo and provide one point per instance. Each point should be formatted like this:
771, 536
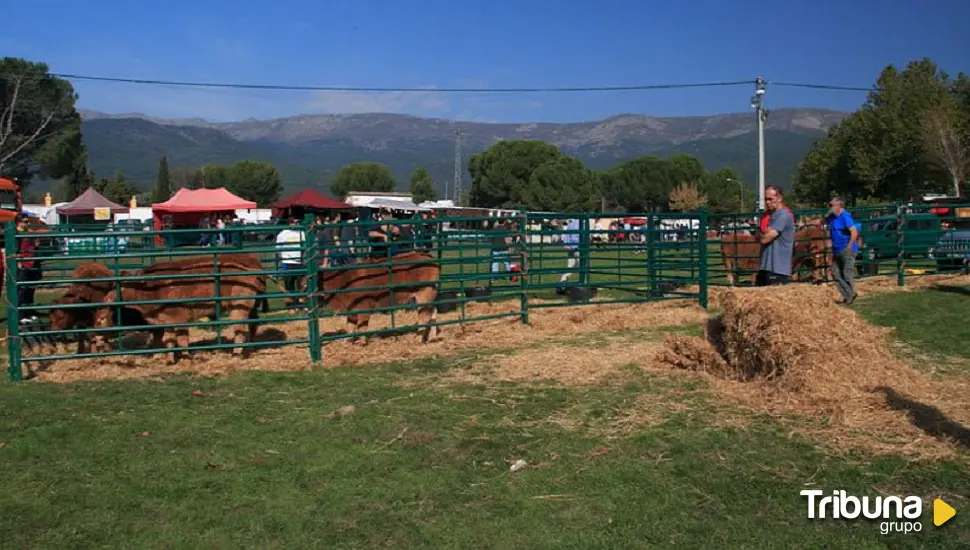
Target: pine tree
163, 183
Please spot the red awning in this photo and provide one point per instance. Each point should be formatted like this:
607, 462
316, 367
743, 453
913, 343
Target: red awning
310, 198
203, 200
85, 205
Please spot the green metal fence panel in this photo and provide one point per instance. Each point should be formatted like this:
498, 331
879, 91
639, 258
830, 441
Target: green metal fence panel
524, 262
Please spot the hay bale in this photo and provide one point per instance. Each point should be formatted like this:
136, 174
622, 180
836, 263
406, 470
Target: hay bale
792, 350
695, 354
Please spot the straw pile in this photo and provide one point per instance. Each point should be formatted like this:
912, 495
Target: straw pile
793, 351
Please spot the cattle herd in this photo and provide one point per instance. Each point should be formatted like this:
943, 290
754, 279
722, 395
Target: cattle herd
147, 298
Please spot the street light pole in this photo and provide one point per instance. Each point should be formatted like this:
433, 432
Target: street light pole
762, 114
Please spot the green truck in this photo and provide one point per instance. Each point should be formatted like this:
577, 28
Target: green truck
880, 238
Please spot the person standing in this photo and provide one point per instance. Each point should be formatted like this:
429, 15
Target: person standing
290, 244
500, 246
28, 269
844, 235
570, 241
777, 237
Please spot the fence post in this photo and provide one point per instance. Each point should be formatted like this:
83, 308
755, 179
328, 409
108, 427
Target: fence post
702, 257
651, 245
311, 253
13, 315
584, 263
900, 244
217, 287
523, 270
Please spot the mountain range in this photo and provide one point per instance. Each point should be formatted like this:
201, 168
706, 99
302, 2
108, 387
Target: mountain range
309, 149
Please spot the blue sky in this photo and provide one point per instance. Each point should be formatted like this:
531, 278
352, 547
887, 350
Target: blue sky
499, 43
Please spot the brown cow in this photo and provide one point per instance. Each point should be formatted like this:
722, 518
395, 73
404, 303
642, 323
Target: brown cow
740, 251
421, 276
93, 292
811, 249
242, 289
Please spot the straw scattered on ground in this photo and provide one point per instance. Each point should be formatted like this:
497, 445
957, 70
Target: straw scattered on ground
570, 365
793, 351
503, 333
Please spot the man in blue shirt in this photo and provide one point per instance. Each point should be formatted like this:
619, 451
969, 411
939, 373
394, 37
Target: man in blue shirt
844, 234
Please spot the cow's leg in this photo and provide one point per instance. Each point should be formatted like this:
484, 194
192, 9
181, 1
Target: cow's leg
240, 331
427, 312
252, 327
169, 341
363, 322
352, 326
83, 343
182, 340
158, 338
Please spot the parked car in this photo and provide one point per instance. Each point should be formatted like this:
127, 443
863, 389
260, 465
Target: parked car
952, 250
880, 238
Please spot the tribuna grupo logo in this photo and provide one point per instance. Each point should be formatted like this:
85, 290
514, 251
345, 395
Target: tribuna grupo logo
899, 514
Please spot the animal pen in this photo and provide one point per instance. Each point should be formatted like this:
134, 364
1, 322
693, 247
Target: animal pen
109, 286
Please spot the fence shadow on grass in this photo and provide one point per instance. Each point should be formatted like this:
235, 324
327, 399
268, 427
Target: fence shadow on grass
927, 417
962, 290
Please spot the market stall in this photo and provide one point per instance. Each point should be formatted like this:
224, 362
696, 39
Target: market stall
196, 209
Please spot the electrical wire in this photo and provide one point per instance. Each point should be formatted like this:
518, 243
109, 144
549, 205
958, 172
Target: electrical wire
824, 86
288, 87
189, 84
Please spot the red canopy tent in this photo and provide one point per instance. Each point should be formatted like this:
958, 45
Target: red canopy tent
87, 203
188, 206
308, 200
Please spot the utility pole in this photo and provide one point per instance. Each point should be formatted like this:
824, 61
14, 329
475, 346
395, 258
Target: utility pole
457, 189
757, 103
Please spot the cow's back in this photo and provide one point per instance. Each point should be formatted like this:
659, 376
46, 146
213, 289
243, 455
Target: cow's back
409, 272
203, 285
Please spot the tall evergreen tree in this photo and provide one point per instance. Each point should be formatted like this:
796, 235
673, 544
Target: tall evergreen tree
163, 183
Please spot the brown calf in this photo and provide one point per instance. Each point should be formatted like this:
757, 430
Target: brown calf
740, 251
242, 289
418, 280
85, 292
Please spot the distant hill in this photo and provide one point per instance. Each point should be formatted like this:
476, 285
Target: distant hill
310, 149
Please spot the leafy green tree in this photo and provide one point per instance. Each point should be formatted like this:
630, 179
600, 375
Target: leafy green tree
640, 184
422, 188
40, 129
724, 192
162, 191
882, 151
255, 180
116, 190
211, 176
563, 184
362, 176
501, 174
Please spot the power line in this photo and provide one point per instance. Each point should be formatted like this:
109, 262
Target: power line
282, 87
824, 86
289, 87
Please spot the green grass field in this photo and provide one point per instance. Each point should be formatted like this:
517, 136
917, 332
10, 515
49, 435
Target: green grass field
393, 455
